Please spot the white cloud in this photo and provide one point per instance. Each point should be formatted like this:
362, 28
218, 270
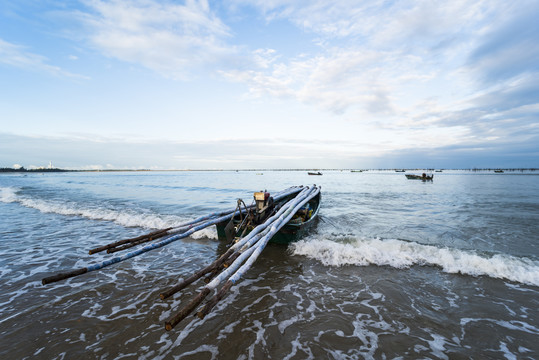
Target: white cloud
334, 81
18, 56
166, 37
420, 69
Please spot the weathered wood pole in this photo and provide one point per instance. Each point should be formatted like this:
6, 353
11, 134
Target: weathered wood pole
173, 321
210, 304
196, 276
63, 276
126, 241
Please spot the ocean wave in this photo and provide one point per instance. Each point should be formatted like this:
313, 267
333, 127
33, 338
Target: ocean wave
403, 254
8, 194
124, 217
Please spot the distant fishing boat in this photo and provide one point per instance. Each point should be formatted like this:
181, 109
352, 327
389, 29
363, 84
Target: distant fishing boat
292, 231
356, 170
400, 170
438, 170
423, 177
314, 173
498, 171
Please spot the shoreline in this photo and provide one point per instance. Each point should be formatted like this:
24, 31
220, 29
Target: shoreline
57, 170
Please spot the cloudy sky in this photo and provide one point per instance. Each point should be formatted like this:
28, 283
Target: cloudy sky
171, 84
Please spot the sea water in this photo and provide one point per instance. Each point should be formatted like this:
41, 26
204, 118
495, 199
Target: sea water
394, 268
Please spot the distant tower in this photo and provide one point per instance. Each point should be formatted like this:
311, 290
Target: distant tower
50, 164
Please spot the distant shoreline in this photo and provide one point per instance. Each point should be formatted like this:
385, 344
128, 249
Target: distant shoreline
56, 170
23, 170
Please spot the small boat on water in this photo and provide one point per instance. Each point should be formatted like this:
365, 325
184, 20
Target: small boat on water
498, 171
400, 170
265, 207
423, 177
314, 173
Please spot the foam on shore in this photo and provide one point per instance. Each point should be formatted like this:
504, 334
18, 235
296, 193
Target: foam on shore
403, 254
125, 217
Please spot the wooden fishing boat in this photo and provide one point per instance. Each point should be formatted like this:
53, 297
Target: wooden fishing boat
292, 231
314, 173
423, 177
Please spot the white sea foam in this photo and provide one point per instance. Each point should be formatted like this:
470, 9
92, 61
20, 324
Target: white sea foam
8, 194
402, 254
121, 217
124, 217
213, 350
437, 346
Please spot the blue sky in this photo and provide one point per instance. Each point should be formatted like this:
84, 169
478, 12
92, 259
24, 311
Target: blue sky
97, 84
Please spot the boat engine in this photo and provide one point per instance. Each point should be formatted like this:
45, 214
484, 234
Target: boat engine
264, 206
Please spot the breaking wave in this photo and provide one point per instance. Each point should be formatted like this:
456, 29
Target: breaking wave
124, 217
403, 254
8, 194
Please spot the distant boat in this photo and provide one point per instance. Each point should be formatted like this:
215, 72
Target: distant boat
400, 170
314, 173
356, 170
498, 171
438, 170
423, 177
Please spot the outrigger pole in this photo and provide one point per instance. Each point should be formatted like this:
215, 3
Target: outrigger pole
175, 234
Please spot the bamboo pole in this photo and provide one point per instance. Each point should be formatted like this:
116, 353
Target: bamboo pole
126, 241
223, 266
211, 303
138, 242
63, 276
196, 275
173, 321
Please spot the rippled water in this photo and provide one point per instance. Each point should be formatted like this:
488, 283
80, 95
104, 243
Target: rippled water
394, 268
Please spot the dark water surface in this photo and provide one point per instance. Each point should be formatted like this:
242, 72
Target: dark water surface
395, 268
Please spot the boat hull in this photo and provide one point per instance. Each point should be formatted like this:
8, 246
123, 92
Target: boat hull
419, 177
291, 232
